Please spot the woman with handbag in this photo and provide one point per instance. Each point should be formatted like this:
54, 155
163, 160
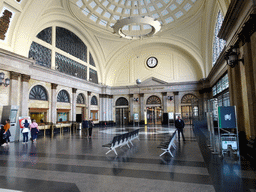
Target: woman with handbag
25, 131
34, 130
6, 133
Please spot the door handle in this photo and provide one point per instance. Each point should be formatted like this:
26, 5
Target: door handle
12, 124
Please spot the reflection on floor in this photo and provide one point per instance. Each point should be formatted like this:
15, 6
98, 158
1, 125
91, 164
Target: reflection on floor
74, 162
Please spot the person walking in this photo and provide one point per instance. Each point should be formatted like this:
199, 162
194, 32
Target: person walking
25, 131
34, 130
7, 132
91, 124
179, 124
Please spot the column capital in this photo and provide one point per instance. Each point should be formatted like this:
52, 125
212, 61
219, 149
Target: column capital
176, 93
130, 95
54, 86
74, 90
14, 75
141, 94
110, 96
89, 93
25, 78
164, 93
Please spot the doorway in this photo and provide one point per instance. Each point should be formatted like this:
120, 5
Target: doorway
154, 115
122, 116
189, 112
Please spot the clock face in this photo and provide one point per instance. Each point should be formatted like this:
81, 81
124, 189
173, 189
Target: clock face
152, 62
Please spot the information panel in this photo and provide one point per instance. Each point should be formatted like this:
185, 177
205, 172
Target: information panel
227, 117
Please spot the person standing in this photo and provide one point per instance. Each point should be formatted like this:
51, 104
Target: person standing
7, 133
34, 130
179, 124
25, 131
91, 124
85, 126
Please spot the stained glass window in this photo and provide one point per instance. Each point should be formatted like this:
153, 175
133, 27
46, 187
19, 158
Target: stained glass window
218, 44
93, 76
38, 92
121, 101
63, 96
70, 43
46, 35
41, 54
94, 100
80, 99
68, 66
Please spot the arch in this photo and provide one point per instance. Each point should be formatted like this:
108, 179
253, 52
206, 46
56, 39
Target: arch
63, 96
189, 98
80, 98
152, 100
94, 100
38, 92
121, 101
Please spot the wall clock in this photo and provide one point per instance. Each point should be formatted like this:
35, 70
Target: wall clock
152, 62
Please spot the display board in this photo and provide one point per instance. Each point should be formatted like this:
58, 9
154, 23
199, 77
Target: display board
227, 117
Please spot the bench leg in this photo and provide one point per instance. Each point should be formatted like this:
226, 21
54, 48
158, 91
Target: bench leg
163, 153
115, 151
131, 143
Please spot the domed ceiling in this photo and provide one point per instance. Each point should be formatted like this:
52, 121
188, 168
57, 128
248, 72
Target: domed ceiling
105, 13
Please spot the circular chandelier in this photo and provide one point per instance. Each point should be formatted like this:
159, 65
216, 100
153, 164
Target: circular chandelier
137, 20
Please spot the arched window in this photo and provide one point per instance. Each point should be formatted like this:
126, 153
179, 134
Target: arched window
153, 100
38, 92
94, 100
189, 98
63, 96
66, 44
121, 101
218, 44
80, 99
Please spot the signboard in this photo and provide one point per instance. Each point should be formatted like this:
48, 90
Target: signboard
136, 116
171, 115
22, 120
226, 141
227, 117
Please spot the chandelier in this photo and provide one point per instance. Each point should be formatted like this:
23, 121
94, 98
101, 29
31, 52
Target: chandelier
137, 20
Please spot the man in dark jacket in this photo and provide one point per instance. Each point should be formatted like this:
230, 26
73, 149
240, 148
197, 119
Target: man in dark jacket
179, 124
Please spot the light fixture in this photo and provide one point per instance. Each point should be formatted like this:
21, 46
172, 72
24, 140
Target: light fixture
170, 98
136, 99
231, 57
6, 81
137, 20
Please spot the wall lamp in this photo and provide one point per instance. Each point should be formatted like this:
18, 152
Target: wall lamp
231, 57
136, 99
170, 98
6, 81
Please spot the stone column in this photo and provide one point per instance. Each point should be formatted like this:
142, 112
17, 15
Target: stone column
14, 88
73, 108
250, 85
89, 105
103, 107
24, 95
141, 99
54, 103
131, 108
110, 108
176, 103
164, 99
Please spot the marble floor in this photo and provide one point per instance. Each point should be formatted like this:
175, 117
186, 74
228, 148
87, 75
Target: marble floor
74, 162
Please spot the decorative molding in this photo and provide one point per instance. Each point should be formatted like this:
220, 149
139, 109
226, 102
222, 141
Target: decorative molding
74, 90
14, 75
4, 23
103, 95
25, 78
141, 94
130, 95
164, 93
89, 93
248, 29
54, 86
176, 93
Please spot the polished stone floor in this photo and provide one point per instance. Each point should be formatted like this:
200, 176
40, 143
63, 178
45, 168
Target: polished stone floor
74, 162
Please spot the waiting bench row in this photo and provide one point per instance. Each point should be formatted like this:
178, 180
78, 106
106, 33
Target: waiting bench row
167, 144
121, 140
